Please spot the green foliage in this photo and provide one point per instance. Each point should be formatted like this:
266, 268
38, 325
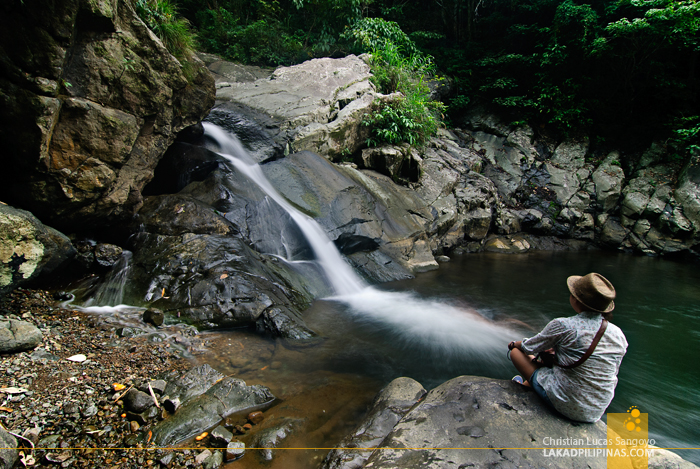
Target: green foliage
412, 117
377, 34
162, 18
685, 137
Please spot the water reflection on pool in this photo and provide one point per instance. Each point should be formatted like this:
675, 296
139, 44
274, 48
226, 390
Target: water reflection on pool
658, 308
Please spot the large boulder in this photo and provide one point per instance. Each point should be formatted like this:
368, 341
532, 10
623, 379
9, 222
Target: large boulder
317, 105
28, 248
91, 101
478, 422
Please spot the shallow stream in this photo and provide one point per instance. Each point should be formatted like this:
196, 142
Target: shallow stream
331, 385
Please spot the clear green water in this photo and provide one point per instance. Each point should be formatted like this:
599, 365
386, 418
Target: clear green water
331, 384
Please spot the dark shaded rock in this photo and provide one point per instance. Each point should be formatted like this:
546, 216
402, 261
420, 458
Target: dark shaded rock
106, 255
204, 411
137, 401
28, 248
282, 323
18, 336
182, 164
174, 215
153, 316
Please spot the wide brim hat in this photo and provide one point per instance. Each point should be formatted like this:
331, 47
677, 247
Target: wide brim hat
593, 291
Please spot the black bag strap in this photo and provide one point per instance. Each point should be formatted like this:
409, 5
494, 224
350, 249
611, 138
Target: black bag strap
590, 350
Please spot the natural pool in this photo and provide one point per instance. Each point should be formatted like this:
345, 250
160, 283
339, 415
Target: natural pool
331, 384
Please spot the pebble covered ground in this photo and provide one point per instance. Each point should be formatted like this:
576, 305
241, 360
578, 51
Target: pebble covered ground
70, 410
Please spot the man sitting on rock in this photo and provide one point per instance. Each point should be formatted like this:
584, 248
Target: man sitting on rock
584, 353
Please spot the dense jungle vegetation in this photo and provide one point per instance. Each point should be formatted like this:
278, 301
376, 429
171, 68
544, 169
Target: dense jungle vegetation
620, 71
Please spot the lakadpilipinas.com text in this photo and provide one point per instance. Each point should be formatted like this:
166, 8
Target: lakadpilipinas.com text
593, 447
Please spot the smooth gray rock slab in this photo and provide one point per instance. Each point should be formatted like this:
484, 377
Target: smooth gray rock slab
474, 412
227, 396
17, 336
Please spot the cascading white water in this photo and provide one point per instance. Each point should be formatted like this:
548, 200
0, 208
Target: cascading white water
435, 324
111, 292
339, 273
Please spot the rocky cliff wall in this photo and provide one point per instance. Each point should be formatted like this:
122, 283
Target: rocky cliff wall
90, 100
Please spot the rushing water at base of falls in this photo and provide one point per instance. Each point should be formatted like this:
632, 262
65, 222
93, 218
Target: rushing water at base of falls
438, 325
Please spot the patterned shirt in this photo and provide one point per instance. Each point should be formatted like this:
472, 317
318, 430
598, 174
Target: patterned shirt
582, 393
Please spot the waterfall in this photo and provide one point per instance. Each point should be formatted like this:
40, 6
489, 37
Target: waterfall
433, 323
340, 275
111, 292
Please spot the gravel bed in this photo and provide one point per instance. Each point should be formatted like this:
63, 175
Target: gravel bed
70, 410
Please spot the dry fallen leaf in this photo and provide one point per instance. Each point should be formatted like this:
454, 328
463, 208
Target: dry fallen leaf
6, 409
118, 386
264, 368
223, 276
77, 358
201, 437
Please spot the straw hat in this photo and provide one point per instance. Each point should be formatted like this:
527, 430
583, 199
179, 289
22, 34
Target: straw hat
593, 291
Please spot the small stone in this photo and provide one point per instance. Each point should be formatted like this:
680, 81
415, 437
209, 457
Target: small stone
202, 456
167, 459
220, 437
247, 426
134, 426
240, 430
89, 410
171, 405
214, 461
158, 386
255, 417
134, 417
153, 316
137, 401
442, 259
235, 450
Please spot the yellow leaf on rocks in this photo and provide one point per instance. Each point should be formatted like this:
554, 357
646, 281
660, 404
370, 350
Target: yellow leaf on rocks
6, 409
201, 437
223, 276
118, 386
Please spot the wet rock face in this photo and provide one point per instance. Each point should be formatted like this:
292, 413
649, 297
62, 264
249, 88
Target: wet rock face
28, 248
194, 256
91, 102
